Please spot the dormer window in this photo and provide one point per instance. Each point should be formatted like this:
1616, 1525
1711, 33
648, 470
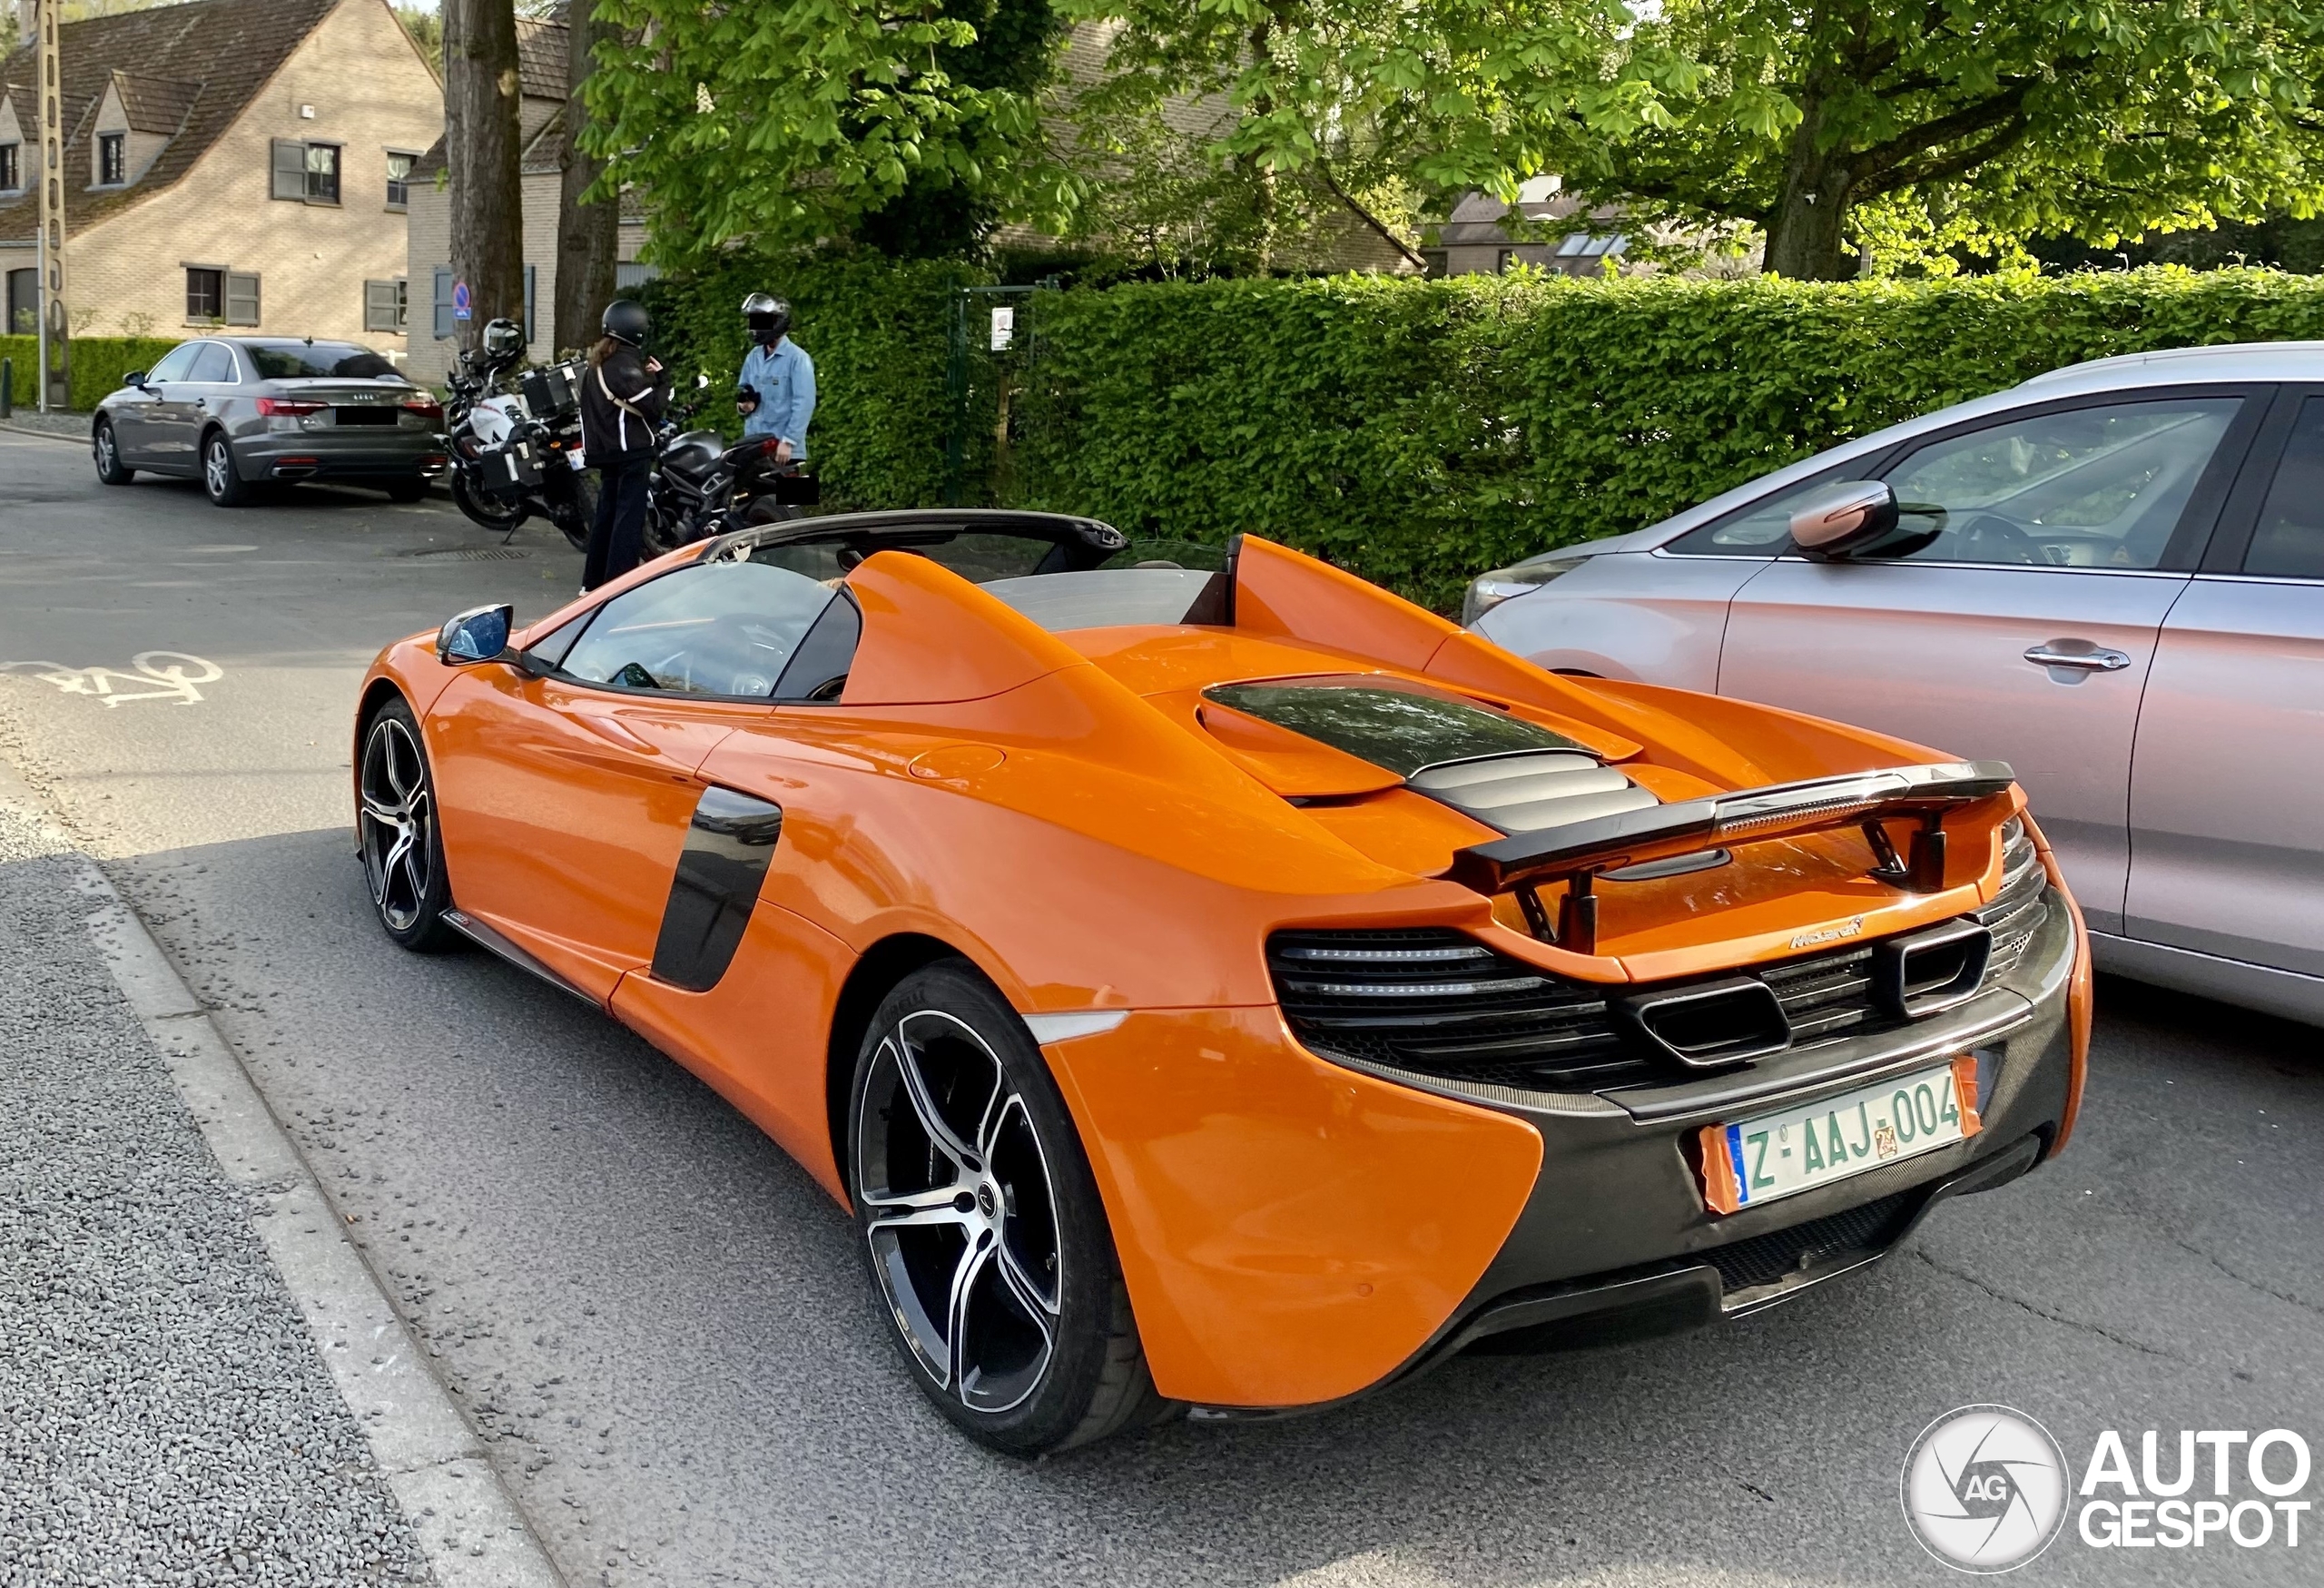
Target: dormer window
113, 158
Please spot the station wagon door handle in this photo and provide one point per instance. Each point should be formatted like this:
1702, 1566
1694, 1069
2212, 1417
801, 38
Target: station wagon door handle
2079, 654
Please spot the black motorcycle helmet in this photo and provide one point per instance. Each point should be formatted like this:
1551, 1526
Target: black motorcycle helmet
768, 318
626, 320
503, 339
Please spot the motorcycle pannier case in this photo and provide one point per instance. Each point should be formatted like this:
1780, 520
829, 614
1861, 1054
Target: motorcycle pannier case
554, 392
510, 470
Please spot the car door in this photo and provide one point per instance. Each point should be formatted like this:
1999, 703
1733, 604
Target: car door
2019, 622
567, 791
137, 413
2227, 782
177, 416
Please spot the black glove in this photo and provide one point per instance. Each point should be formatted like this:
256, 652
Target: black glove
747, 399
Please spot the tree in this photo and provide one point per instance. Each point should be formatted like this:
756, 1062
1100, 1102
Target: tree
588, 223
792, 122
1919, 122
481, 158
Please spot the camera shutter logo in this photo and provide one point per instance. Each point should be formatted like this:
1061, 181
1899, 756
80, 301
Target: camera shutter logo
1985, 1489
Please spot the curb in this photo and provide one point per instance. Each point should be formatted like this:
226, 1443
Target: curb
468, 1525
16, 429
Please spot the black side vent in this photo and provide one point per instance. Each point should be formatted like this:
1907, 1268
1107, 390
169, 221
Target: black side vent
1437, 1002
2022, 906
1763, 1259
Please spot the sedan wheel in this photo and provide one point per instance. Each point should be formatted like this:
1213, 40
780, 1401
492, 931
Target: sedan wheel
106, 448
984, 1227
396, 824
219, 479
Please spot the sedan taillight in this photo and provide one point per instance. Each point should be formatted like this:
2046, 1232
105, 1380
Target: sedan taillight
289, 407
426, 408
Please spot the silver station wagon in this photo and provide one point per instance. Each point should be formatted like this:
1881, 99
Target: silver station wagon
237, 411
2111, 577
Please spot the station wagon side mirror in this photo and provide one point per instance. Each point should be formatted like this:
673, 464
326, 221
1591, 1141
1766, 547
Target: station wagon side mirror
1843, 516
134, 378
479, 635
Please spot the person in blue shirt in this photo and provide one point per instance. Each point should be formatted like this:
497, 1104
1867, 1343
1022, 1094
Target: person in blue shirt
777, 393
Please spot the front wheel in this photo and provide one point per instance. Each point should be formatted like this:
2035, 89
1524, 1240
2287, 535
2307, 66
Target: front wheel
983, 1225
395, 820
106, 448
481, 509
221, 480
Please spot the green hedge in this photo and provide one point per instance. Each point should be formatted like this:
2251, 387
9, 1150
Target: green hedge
98, 364
1417, 432
878, 332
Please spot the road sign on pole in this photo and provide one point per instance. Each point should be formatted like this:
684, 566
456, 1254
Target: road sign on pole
463, 302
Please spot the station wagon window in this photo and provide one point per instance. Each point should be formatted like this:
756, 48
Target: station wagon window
724, 628
2289, 543
2101, 487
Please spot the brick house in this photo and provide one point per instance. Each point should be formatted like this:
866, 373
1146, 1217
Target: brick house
235, 163
540, 126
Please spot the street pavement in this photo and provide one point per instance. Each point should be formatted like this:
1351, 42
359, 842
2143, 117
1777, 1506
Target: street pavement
665, 1331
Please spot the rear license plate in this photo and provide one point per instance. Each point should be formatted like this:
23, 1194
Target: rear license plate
1799, 1149
366, 416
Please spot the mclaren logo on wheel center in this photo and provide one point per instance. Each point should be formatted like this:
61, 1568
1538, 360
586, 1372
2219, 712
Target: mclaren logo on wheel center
1985, 1489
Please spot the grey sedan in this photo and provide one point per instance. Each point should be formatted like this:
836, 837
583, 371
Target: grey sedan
2111, 577
236, 411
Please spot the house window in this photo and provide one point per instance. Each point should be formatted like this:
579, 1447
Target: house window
306, 173
113, 158
205, 295
384, 306
12, 176
400, 179
1508, 257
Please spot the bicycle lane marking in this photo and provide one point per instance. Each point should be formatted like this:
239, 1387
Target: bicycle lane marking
158, 675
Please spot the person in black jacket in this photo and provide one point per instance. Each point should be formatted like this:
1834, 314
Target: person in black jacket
622, 400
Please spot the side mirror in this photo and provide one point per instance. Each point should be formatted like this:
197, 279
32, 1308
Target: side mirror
134, 378
480, 635
1843, 516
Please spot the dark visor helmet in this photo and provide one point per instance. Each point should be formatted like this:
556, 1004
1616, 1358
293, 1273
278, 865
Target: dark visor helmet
769, 316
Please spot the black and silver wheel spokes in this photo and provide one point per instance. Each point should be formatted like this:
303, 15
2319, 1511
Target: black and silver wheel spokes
217, 465
399, 837
961, 1215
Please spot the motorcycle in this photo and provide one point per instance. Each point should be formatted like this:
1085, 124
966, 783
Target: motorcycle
700, 487
517, 454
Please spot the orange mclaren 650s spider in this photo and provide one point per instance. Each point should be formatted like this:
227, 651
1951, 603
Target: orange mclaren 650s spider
1215, 985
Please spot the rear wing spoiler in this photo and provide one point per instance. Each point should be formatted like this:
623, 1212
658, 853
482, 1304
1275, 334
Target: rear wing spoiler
1578, 853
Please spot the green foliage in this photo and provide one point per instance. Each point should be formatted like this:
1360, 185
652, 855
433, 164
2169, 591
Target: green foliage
878, 332
98, 364
1418, 432
790, 121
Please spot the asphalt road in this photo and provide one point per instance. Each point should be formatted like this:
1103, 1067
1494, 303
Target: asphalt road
666, 1329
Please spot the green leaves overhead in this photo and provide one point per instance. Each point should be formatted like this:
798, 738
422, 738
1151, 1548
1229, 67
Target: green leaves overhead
790, 121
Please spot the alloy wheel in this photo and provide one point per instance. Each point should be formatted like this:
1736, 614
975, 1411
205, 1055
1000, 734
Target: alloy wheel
961, 1211
217, 468
398, 825
107, 459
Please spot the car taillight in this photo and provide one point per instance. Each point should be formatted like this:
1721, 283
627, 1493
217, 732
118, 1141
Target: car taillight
289, 407
426, 408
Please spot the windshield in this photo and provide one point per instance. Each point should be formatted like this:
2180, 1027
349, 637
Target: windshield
1385, 722
303, 360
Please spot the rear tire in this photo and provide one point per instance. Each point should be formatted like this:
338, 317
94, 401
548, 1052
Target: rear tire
222, 482
975, 1201
398, 835
106, 448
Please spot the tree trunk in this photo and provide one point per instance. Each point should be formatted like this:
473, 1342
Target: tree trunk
480, 155
589, 236
1805, 227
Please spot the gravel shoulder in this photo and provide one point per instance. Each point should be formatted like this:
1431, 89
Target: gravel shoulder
164, 1417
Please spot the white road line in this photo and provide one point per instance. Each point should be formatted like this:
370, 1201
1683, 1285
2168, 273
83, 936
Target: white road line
466, 1521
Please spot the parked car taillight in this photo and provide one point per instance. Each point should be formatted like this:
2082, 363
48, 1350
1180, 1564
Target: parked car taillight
1489, 591
289, 407
426, 408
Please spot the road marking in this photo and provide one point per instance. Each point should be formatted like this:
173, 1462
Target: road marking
159, 676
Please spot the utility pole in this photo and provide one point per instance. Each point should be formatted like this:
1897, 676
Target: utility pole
55, 358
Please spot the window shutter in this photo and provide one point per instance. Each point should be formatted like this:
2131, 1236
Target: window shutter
289, 170
241, 299
379, 306
445, 325
528, 306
